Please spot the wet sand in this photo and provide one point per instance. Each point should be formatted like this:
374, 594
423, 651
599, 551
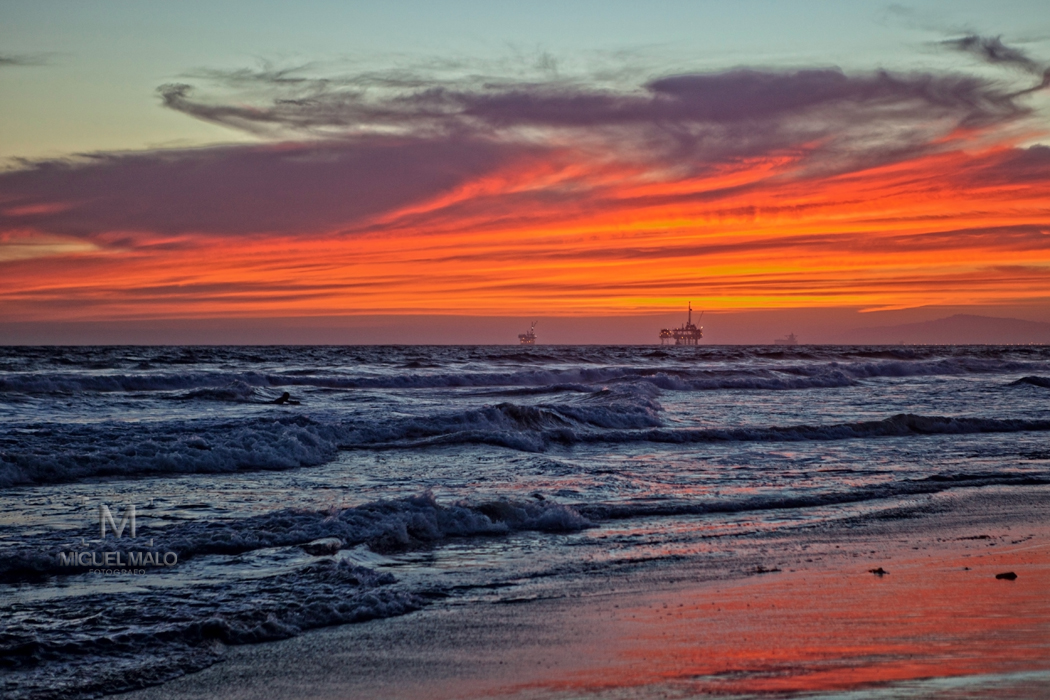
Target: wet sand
938, 624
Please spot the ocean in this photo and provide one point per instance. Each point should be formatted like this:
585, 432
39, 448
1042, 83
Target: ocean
424, 475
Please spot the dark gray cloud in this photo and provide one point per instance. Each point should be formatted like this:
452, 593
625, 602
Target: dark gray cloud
835, 120
284, 188
992, 50
367, 102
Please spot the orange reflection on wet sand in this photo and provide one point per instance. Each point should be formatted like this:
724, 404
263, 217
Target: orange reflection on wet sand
826, 630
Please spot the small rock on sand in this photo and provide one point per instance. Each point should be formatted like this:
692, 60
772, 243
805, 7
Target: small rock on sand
879, 571
1008, 576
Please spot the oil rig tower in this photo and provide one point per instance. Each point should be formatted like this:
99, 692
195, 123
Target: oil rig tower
530, 337
688, 334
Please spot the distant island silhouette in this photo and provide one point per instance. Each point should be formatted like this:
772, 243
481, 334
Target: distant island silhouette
960, 329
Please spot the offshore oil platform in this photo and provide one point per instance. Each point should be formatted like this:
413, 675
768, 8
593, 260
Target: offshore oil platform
688, 334
530, 337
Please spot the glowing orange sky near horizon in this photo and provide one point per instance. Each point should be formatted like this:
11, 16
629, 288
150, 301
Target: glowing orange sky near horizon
574, 233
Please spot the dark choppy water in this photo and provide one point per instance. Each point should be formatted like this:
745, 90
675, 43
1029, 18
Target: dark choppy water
442, 471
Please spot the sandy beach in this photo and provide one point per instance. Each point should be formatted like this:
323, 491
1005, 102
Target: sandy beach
794, 614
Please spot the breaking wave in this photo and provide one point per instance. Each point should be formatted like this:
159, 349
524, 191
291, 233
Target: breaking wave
53, 454
545, 435
383, 526
700, 377
56, 453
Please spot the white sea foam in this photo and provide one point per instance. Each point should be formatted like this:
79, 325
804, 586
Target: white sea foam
112, 648
382, 525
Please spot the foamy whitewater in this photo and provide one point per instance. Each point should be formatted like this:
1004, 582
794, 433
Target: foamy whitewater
441, 472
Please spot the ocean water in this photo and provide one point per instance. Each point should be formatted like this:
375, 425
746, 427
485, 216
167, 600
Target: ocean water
441, 473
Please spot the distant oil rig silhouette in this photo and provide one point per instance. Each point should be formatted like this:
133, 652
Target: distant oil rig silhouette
530, 337
689, 334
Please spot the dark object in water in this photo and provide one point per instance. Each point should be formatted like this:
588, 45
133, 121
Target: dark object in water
1008, 576
286, 400
879, 571
1034, 381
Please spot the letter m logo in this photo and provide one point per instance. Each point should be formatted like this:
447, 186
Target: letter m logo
105, 516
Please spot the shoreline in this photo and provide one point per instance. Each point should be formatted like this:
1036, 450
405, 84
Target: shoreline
803, 615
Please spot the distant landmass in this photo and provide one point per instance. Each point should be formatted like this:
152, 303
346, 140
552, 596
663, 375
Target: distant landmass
961, 329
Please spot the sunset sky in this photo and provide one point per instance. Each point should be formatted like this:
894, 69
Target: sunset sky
285, 172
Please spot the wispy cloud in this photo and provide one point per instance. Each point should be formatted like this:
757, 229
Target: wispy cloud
8, 60
735, 111
992, 50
